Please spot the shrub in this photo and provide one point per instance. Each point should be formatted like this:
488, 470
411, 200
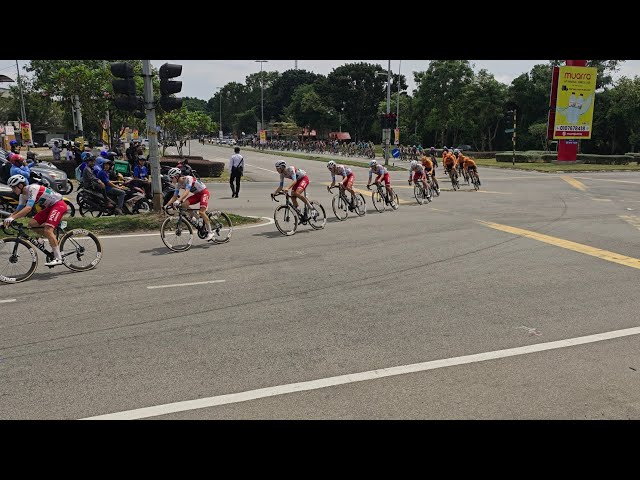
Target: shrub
205, 168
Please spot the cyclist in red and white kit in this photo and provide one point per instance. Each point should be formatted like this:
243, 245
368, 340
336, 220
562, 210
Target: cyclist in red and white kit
348, 178
297, 186
200, 195
50, 215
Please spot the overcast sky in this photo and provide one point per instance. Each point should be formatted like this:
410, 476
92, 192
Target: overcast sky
201, 77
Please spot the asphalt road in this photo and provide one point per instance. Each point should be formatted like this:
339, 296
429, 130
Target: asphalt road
476, 298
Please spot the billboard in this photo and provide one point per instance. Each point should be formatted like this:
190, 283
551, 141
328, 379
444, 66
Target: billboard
25, 128
263, 137
574, 103
397, 136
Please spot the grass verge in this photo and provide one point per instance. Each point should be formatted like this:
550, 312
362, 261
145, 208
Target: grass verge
552, 167
353, 163
149, 222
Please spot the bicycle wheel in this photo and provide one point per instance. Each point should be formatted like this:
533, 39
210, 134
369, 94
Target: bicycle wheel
396, 201
286, 220
340, 207
176, 234
71, 210
436, 191
18, 260
318, 221
378, 201
220, 226
80, 249
418, 193
361, 205
69, 188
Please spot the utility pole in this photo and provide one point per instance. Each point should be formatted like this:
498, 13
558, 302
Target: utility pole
24, 114
79, 117
107, 119
152, 135
398, 99
513, 137
388, 130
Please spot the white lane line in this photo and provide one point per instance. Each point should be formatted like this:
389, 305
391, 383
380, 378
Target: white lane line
268, 219
8, 301
357, 377
186, 284
265, 169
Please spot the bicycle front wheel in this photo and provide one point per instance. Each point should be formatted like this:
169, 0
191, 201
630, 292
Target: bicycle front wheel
18, 260
176, 234
417, 192
378, 201
80, 249
396, 201
319, 220
340, 207
220, 226
71, 210
286, 220
361, 206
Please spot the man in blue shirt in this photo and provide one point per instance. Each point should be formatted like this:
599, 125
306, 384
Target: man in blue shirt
20, 166
141, 176
112, 190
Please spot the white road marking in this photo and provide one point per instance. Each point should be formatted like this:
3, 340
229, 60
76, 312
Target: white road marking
265, 169
8, 301
357, 377
268, 219
185, 284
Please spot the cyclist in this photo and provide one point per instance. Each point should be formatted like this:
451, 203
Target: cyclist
459, 160
449, 162
429, 169
200, 194
381, 172
297, 186
469, 164
432, 153
348, 178
50, 215
417, 172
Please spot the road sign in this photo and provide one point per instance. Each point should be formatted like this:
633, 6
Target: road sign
395, 153
509, 130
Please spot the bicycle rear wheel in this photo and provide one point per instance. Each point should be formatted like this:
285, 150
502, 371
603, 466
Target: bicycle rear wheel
340, 207
286, 220
360, 205
318, 221
396, 201
18, 260
221, 226
80, 249
71, 209
176, 234
378, 201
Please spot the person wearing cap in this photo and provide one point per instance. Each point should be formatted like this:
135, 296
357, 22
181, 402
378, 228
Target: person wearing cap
20, 166
111, 188
141, 176
15, 148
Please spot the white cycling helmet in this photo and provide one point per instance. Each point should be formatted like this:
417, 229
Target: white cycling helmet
174, 172
331, 164
15, 180
281, 164
413, 164
456, 151
373, 163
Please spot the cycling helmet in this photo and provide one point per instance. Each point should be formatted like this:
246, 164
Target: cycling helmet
331, 164
456, 151
281, 164
15, 180
432, 149
445, 149
13, 142
413, 164
104, 154
373, 163
84, 155
174, 172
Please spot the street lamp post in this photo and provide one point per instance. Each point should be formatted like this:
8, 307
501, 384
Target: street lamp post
398, 99
220, 124
388, 131
340, 114
262, 93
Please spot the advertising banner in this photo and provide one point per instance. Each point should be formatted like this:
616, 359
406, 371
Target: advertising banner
397, 140
574, 103
263, 137
25, 128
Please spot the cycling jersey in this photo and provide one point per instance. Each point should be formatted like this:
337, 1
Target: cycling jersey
188, 182
378, 170
427, 163
292, 173
342, 171
39, 194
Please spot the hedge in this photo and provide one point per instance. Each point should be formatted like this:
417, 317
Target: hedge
546, 157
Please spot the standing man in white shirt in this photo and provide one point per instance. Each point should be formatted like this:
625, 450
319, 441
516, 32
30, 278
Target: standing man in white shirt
56, 151
236, 167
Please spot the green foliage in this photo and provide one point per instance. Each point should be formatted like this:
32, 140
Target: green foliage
180, 125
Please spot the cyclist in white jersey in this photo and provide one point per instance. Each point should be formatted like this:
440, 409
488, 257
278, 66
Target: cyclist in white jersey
51, 215
381, 172
190, 185
417, 172
348, 178
297, 186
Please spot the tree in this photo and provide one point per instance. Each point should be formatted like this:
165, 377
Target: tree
195, 104
539, 131
282, 88
308, 109
606, 68
180, 125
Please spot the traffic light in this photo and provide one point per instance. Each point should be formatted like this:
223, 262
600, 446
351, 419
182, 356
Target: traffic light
125, 85
168, 87
392, 120
383, 120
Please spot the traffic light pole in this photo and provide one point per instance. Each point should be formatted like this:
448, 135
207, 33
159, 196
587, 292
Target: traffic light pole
513, 138
152, 135
388, 130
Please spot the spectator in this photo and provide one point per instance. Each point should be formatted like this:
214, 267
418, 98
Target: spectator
69, 154
236, 167
15, 148
141, 176
112, 190
20, 166
56, 151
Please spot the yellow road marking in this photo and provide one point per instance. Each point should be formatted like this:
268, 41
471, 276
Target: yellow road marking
574, 183
576, 247
631, 220
609, 180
